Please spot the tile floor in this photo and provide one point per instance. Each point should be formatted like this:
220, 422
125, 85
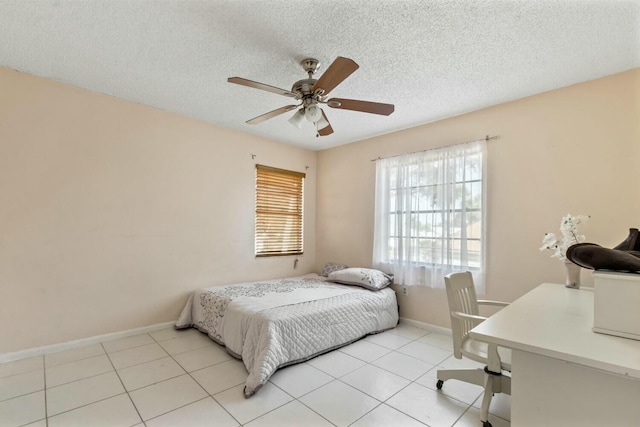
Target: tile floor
181, 378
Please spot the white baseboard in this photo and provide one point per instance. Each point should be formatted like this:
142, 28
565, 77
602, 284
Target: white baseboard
54, 348
427, 326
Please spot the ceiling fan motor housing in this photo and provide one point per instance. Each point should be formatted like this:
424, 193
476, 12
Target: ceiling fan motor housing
303, 87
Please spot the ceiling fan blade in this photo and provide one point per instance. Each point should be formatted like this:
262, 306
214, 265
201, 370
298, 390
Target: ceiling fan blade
327, 130
339, 70
363, 106
271, 114
262, 86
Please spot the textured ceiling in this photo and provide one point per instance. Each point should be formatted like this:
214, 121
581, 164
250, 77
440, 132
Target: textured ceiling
432, 59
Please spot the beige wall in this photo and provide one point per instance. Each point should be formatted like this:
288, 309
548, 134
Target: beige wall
112, 212
574, 150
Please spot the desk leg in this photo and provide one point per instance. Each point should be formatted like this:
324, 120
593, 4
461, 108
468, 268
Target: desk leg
547, 391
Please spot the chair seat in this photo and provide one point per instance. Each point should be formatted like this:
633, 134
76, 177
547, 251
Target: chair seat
477, 350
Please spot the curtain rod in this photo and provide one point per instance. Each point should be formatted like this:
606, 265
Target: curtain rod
486, 138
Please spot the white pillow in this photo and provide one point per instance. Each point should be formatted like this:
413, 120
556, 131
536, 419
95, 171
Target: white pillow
332, 266
367, 278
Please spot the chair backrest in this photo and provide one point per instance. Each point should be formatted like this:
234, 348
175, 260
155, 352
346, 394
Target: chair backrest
461, 294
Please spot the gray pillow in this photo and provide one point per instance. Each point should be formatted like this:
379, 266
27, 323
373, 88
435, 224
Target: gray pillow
331, 267
367, 278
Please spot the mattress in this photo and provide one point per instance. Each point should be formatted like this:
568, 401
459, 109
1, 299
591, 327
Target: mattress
275, 323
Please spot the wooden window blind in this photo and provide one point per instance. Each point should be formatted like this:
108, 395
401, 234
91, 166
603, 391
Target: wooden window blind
279, 211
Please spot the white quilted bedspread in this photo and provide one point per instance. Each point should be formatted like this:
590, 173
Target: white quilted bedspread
272, 324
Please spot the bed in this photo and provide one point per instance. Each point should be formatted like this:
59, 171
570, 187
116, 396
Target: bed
275, 323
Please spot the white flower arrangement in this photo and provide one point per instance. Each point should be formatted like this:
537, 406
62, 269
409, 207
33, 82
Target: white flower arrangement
570, 236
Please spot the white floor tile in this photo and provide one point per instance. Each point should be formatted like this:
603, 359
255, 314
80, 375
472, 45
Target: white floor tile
364, 350
72, 355
202, 357
79, 393
137, 355
83, 389
222, 376
166, 396
293, 414
300, 379
339, 403
116, 411
185, 343
425, 352
500, 405
148, 373
376, 382
388, 339
268, 398
22, 410
403, 365
21, 366
41, 423
168, 333
438, 340
73, 371
203, 413
336, 363
386, 416
471, 418
409, 331
428, 406
127, 342
20, 384
460, 390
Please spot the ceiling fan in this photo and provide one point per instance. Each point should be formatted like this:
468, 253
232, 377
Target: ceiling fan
312, 93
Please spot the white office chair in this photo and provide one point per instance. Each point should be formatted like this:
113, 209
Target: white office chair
463, 307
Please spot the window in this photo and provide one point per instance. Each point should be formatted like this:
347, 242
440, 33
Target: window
429, 214
279, 206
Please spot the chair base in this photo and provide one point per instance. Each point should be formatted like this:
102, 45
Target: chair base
490, 381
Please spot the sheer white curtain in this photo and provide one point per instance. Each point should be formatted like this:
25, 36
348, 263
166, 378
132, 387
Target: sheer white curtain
430, 215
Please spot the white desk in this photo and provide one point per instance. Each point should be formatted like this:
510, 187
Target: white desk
562, 372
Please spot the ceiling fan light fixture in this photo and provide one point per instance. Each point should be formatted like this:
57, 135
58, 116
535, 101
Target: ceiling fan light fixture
313, 113
297, 118
321, 123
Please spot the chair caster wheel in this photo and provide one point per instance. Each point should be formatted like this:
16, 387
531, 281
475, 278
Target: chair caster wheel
439, 386
486, 424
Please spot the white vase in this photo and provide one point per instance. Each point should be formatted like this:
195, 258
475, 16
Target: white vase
572, 275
